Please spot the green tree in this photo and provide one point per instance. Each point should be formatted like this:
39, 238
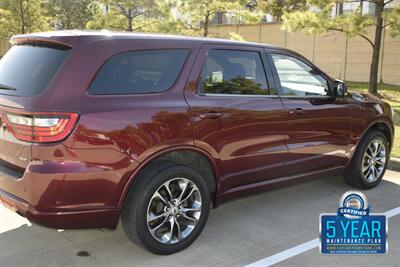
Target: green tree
110, 20
352, 24
129, 15
195, 15
276, 8
70, 14
21, 16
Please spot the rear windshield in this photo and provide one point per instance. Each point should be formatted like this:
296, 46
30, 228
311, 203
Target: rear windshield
139, 72
27, 70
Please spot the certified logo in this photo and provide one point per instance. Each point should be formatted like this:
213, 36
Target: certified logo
353, 229
353, 205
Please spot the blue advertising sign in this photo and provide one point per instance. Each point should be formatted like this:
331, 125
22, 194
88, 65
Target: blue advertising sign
353, 230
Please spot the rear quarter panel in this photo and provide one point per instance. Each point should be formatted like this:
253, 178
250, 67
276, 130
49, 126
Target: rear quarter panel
115, 133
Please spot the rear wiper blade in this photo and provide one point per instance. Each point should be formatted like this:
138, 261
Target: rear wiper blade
6, 87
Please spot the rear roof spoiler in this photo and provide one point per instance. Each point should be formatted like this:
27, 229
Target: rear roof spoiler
63, 40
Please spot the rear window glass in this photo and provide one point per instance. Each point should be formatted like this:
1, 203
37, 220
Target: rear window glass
139, 72
27, 70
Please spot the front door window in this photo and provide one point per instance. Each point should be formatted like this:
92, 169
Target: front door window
298, 78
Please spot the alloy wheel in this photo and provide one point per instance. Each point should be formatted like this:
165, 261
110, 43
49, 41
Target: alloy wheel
174, 211
374, 160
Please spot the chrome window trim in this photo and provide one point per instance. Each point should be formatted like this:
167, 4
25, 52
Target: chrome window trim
263, 96
238, 95
306, 97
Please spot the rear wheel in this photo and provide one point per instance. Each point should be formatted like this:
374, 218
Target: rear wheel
369, 162
167, 208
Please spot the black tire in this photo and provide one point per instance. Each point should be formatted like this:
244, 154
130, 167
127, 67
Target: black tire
134, 214
353, 175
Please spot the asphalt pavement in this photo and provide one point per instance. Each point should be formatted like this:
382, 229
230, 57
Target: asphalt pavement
267, 226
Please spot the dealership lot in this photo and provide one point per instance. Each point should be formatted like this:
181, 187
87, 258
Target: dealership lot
238, 233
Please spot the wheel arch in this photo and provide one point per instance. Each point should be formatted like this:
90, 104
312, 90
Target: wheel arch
192, 156
385, 129
381, 125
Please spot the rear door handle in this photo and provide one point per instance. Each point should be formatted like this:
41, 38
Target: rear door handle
296, 111
210, 115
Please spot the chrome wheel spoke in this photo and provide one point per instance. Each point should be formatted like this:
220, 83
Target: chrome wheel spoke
187, 217
160, 197
379, 150
170, 233
185, 210
367, 170
375, 147
371, 152
183, 186
380, 157
178, 228
156, 217
166, 186
153, 230
373, 173
378, 171
189, 195
366, 155
369, 173
380, 161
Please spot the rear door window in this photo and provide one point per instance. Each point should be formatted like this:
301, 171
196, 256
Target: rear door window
139, 72
27, 70
234, 72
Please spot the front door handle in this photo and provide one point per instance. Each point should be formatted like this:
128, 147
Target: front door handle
296, 111
210, 115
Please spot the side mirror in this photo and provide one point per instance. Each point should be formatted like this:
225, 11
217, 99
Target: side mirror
340, 88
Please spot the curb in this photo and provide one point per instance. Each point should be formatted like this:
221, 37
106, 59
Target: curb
394, 164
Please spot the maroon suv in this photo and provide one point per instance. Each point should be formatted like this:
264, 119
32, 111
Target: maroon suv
156, 129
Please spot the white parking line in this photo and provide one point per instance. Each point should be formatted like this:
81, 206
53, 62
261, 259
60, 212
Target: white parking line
291, 252
393, 212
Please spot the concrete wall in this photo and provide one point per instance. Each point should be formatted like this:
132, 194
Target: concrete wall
341, 57
4, 45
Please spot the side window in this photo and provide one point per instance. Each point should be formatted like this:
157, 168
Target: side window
233, 72
298, 78
139, 72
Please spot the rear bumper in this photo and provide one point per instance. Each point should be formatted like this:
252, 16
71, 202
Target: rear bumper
68, 194
96, 218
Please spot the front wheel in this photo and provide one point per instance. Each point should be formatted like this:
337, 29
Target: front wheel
166, 210
370, 161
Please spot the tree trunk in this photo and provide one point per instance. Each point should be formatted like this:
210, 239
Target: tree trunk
206, 24
373, 75
130, 21
21, 9
28, 19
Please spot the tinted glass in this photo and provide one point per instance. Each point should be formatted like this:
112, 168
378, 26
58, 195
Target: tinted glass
298, 78
27, 70
234, 72
139, 72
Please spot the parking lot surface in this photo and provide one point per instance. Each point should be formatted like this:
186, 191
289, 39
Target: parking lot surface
238, 233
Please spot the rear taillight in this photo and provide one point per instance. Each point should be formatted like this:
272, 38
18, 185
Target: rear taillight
39, 127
